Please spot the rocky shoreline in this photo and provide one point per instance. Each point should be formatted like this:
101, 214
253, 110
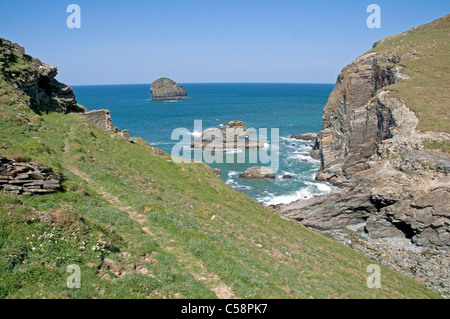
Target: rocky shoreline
393, 201
426, 265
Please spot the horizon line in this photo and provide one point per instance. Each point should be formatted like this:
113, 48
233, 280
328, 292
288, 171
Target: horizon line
111, 84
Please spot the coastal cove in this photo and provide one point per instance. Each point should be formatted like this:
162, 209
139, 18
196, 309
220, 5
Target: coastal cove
292, 108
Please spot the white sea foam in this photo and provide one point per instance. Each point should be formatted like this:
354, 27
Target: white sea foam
233, 173
313, 189
298, 156
232, 150
304, 193
287, 173
323, 188
196, 134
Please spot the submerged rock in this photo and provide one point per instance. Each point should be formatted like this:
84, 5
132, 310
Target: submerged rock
167, 89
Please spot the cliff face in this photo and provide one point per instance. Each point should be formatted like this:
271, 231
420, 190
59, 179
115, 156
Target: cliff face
354, 121
393, 183
28, 76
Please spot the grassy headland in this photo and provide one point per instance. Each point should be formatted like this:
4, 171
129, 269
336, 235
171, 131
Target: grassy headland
142, 226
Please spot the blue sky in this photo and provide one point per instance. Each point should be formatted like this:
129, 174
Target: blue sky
196, 41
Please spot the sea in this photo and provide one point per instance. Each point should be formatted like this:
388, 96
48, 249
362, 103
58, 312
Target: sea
281, 109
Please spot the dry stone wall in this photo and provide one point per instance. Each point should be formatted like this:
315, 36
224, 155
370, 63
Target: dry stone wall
27, 178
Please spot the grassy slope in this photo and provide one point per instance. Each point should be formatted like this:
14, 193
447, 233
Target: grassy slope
154, 219
426, 51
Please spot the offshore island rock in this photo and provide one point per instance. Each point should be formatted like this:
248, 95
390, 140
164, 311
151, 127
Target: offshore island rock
166, 89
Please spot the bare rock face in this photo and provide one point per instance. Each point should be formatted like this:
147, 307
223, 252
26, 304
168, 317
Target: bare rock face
166, 89
257, 173
354, 120
369, 145
36, 79
234, 135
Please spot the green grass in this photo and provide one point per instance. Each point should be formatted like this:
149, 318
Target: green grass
153, 218
443, 146
426, 60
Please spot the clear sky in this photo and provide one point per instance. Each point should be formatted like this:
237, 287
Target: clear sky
198, 41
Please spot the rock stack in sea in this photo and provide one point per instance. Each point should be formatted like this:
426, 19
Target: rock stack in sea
27, 178
167, 89
258, 172
234, 135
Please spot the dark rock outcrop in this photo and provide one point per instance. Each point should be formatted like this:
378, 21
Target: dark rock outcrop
36, 80
27, 178
166, 89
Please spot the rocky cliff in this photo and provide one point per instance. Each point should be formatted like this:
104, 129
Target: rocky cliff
394, 177
27, 77
166, 89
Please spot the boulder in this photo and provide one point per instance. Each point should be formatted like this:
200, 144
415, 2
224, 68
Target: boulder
167, 89
315, 154
258, 172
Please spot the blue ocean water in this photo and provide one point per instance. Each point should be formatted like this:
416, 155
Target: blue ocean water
292, 108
